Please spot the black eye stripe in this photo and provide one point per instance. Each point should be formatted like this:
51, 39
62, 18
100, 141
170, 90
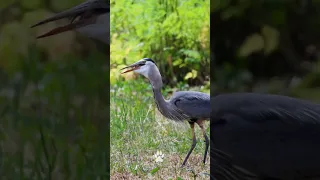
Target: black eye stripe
150, 60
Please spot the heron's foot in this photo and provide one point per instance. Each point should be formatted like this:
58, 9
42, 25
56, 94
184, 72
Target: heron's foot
183, 165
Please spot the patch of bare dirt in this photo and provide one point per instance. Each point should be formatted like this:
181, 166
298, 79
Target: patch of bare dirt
123, 176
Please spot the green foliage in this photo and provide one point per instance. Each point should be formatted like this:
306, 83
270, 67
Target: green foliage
4, 4
267, 40
54, 106
54, 119
258, 40
173, 33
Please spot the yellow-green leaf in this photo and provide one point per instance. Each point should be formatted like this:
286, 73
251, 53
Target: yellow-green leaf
193, 74
253, 43
153, 171
271, 37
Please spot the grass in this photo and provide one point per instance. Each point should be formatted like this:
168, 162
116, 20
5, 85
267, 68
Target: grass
138, 131
54, 120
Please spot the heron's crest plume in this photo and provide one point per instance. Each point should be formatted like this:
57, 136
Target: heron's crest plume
148, 59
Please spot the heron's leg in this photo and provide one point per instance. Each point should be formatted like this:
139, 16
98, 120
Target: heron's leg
200, 123
194, 142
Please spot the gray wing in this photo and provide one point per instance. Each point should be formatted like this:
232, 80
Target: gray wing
194, 104
268, 134
259, 108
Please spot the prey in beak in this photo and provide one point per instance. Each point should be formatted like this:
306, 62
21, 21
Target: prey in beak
81, 15
133, 67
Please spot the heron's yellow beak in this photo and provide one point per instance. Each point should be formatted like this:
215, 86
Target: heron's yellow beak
130, 68
62, 29
133, 67
82, 15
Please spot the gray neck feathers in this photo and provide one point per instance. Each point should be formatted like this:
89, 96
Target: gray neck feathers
155, 78
166, 109
156, 82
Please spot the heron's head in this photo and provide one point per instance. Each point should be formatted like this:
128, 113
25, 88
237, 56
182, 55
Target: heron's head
90, 17
145, 66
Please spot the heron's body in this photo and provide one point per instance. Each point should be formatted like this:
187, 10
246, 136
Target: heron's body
190, 106
271, 136
184, 105
196, 105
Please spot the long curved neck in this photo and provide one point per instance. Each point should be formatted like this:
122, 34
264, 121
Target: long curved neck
160, 101
163, 106
156, 82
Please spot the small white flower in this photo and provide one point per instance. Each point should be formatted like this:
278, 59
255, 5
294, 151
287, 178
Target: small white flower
159, 156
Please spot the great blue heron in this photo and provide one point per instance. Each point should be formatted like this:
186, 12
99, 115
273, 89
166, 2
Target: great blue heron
183, 105
263, 136
91, 18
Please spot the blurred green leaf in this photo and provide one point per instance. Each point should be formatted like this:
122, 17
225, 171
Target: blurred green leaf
252, 43
192, 74
271, 39
153, 171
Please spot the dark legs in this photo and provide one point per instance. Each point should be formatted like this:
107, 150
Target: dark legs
194, 142
200, 123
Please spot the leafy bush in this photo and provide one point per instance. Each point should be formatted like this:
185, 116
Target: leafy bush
258, 40
173, 33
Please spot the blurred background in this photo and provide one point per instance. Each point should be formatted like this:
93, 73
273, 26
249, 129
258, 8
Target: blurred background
176, 35
266, 46
54, 105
